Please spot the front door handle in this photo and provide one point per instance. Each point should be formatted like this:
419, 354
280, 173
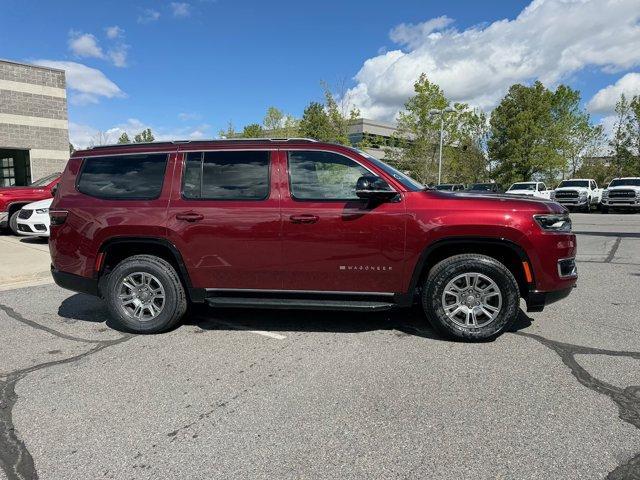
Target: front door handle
190, 216
306, 218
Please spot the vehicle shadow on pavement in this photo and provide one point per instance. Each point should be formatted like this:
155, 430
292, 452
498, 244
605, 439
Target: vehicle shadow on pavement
36, 240
406, 322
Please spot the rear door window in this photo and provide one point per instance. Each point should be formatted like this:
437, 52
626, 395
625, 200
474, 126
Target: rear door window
226, 175
123, 177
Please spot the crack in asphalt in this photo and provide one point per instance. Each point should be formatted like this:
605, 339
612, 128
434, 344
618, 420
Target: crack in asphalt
627, 399
613, 251
15, 459
16, 316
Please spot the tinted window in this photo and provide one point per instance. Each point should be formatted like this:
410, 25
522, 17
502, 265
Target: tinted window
226, 175
123, 176
574, 183
625, 181
323, 176
523, 186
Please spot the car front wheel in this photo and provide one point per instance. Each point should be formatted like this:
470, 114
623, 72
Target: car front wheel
470, 297
145, 295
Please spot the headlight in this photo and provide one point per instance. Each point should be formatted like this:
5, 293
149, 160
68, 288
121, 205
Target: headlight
605, 193
554, 222
42, 210
552, 195
582, 193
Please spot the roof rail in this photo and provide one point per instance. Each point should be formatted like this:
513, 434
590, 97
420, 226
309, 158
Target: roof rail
221, 140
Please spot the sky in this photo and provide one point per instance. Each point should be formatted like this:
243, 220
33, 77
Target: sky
187, 69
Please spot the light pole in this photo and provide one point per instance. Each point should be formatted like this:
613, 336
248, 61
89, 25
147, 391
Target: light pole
441, 112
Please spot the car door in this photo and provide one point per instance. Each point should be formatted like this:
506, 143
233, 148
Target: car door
332, 240
224, 217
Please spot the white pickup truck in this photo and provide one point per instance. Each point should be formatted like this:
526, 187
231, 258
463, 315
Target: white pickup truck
530, 189
578, 192
622, 193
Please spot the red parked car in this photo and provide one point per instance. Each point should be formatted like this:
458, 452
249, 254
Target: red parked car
12, 199
297, 224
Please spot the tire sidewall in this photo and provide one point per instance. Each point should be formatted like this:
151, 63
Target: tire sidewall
13, 222
159, 323
432, 297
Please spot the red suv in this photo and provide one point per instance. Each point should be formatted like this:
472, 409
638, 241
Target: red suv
301, 225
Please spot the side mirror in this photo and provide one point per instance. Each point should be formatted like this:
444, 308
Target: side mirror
374, 188
54, 190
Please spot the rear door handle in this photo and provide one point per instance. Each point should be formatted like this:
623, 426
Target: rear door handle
306, 218
190, 216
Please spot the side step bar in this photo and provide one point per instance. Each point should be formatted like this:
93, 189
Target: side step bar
299, 304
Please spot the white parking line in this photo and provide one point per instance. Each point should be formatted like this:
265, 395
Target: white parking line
276, 336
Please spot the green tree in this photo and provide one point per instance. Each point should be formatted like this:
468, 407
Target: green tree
144, 136
416, 143
253, 130
635, 134
278, 124
622, 161
230, 132
72, 149
339, 117
124, 138
523, 140
315, 123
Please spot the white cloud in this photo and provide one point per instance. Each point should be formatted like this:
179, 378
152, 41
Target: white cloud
184, 116
118, 55
549, 40
148, 15
114, 32
180, 9
86, 84
605, 100
84, 45
83, 136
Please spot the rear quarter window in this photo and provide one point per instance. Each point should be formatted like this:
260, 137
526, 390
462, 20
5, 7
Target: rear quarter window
123, 177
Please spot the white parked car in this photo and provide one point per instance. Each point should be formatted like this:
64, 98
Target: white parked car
622, 193
530, 189
33, 219
582, 193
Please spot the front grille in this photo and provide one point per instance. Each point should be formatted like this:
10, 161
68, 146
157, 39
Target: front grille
24, 214
622, 194
566, 194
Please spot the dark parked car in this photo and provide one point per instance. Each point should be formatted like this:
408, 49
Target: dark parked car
489, 187
450, 187
297, 224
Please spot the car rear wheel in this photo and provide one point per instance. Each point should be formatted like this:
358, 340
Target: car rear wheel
470, 297
145, 295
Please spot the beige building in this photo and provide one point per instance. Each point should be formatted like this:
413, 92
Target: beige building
34, 127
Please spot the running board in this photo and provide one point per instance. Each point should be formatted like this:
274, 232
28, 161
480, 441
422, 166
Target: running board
299, 304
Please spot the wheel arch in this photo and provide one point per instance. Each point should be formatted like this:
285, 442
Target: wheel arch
503, 250
115, 250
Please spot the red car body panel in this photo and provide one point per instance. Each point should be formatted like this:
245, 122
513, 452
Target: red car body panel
19, 196
263, 245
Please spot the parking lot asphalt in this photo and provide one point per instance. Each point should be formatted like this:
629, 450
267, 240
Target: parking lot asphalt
281, 394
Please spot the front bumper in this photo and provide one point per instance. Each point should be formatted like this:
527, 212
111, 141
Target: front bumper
36, 224
572, 202
75, 283
536, 300
622, 202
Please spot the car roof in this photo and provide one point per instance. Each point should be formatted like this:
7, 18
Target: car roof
171, 145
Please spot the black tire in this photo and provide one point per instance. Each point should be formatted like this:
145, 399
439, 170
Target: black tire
604, 209
587, 207
450, 268
13, 222
175, 299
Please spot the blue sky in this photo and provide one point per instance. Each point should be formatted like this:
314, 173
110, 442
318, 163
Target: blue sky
186, 68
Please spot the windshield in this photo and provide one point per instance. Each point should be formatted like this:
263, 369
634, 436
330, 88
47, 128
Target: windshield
481, 186
574, 183
44, 180
523, 186
406, 181
444, 187
631, 182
